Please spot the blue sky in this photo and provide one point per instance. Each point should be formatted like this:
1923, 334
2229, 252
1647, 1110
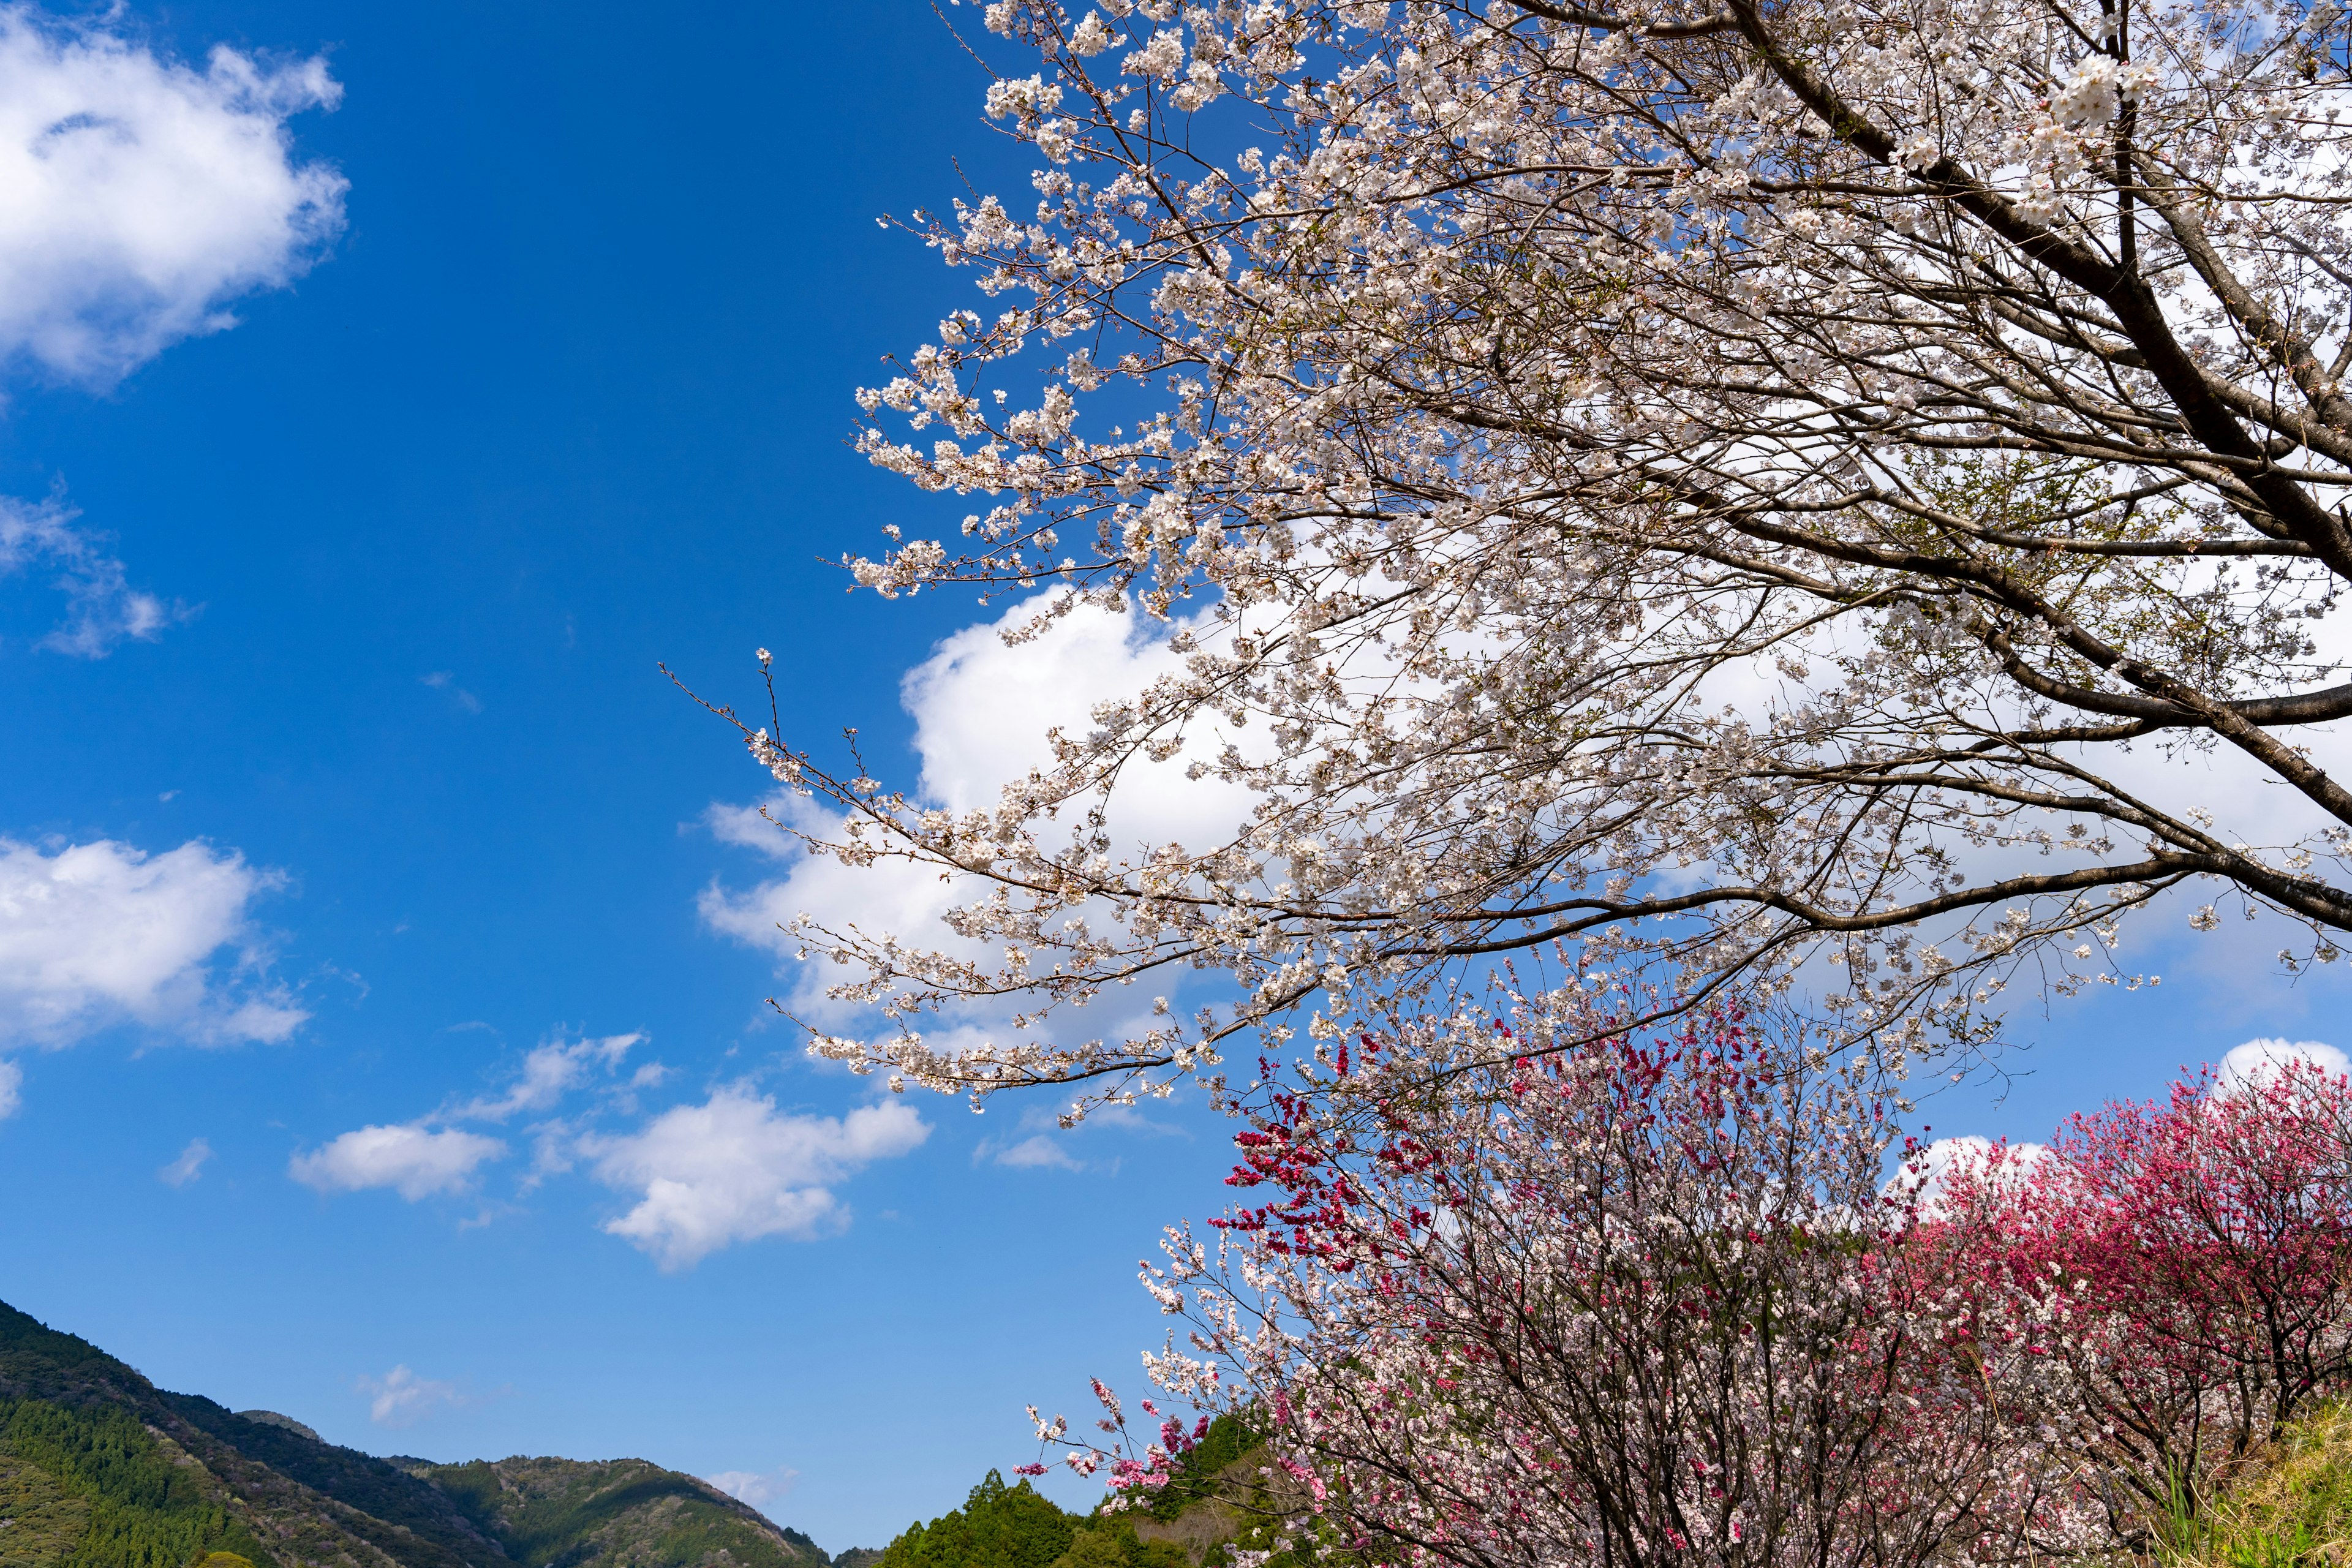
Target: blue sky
344, 793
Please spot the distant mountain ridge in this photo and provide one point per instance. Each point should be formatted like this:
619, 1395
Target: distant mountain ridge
100, 1468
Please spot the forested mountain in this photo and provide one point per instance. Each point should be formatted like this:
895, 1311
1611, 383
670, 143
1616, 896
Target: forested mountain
100, 1468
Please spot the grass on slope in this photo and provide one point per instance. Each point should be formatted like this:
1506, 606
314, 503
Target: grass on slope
2293, 1505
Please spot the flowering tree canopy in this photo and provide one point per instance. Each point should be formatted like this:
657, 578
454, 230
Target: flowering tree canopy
1730, 481
1640, 1303
2170, 1283
1649, 1302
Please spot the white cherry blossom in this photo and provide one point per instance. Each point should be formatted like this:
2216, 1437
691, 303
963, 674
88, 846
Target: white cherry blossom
1709, 483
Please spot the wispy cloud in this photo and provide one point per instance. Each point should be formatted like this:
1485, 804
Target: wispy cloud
401, 1398
102, 610
433, 1156
703, 1176
757, 1488
188, 1166
550, 1072
1039, 1152
444, 681
12, 1088
1038, 1143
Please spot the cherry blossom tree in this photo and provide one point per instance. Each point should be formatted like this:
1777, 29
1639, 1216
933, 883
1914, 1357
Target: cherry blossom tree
1720, 482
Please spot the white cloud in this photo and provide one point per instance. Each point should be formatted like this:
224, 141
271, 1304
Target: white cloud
888, 896
982, 710
138, 195
2256, 1060
401, 1398
188, 1166
757, 1488
430, 1156
101, 933
1930, 1173
550, 1073
411, 1160
12, 1086
732, 1169
102, 607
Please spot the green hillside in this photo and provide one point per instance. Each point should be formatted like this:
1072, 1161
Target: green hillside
100, 1468
571, 1513
1213, 1502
